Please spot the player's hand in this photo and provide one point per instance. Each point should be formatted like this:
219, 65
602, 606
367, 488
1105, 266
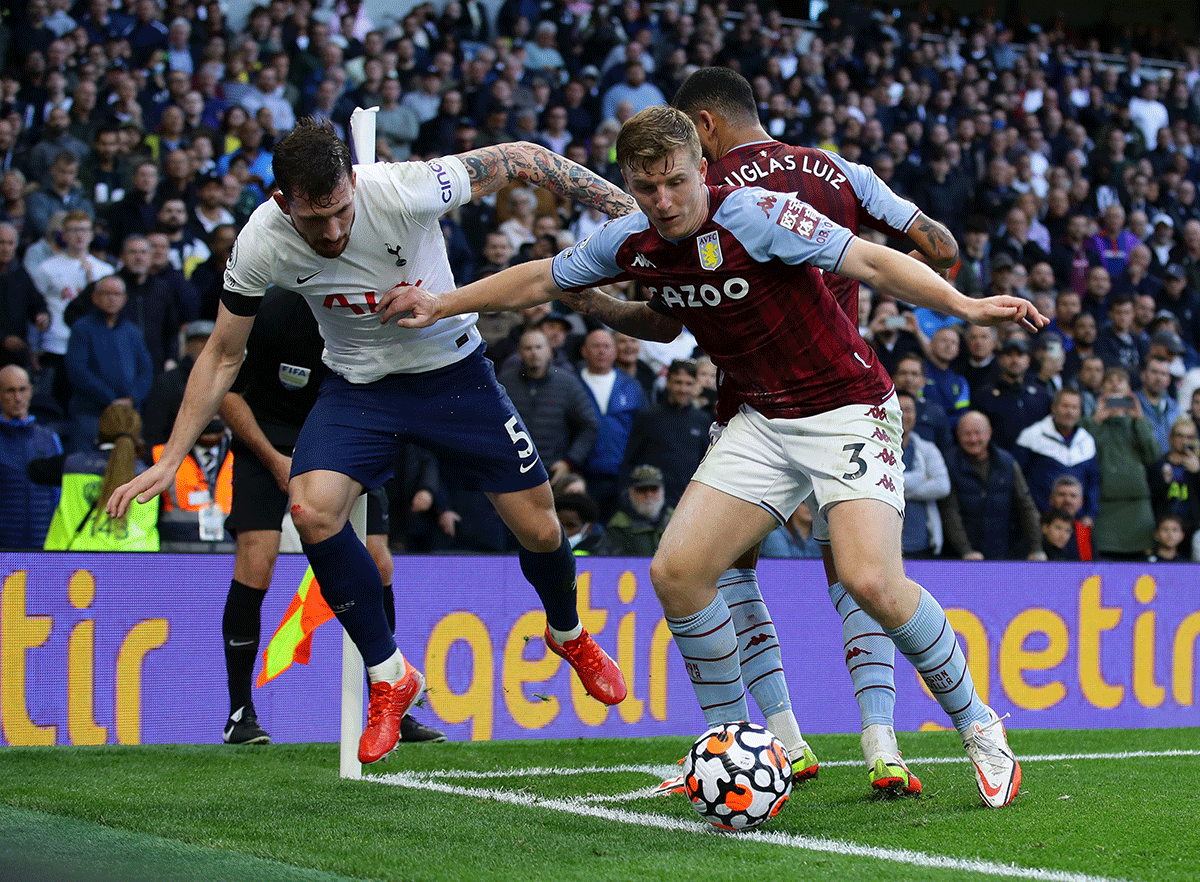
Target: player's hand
409, 307
281, 470
144, 487
1007, 308
422, 501
448, 521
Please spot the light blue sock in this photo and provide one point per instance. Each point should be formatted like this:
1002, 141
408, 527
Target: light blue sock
709, 646
758, 644
870, 658
928, 641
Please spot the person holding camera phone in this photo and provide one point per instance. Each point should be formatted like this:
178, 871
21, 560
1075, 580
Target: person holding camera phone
893, 335
1125, 445
1175, 481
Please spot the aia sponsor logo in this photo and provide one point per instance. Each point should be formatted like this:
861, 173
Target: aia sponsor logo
360, 304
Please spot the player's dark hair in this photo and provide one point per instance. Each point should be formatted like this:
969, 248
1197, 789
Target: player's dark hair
720, 90
310, 161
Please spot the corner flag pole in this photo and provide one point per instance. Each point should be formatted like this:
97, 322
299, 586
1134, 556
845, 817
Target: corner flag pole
362, 140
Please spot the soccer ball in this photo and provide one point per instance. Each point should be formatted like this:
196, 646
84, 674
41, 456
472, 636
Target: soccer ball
737, 775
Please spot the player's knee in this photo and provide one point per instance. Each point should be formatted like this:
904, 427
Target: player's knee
867, 584
542, 534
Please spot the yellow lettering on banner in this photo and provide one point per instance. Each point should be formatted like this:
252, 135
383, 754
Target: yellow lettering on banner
143, 637
632, 707
475, 704
589, 711
81, 666
517, 671
1015, 659
18, 633
973, 637
1094, 620
1147, 692
1183, 678
660, 644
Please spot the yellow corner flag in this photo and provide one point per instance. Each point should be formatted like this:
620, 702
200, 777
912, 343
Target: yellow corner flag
293, 639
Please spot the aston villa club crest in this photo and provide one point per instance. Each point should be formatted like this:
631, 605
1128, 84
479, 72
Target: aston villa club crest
709, 248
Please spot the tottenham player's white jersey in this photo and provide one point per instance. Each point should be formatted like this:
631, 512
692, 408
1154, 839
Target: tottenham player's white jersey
395, 240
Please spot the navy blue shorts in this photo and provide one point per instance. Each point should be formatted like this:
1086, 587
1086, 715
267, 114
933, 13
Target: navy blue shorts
459, 412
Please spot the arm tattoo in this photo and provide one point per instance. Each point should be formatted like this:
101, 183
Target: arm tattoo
634, 318
934, 240
490, 168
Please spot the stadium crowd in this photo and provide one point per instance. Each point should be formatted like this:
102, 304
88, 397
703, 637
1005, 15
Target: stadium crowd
136, 138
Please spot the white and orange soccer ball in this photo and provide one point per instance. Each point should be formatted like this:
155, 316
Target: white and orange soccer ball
737, 775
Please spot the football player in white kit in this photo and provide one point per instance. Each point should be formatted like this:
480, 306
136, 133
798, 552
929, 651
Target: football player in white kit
342, 235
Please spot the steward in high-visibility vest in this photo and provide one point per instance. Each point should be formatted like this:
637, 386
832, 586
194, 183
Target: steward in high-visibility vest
192, 490
80, 522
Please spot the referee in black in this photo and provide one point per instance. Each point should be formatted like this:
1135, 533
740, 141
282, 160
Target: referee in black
276, 388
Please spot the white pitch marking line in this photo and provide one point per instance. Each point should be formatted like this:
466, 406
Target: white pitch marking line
578, 807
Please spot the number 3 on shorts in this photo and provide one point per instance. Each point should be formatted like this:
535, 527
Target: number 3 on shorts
525, 443
856, 460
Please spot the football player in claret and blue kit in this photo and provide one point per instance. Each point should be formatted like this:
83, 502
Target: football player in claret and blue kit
740, 268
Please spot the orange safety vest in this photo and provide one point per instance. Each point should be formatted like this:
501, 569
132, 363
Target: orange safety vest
190, 480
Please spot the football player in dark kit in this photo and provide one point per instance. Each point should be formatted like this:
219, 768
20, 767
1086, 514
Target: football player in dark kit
741, 269
273, 393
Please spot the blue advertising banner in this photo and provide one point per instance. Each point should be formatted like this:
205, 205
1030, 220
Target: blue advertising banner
126, 649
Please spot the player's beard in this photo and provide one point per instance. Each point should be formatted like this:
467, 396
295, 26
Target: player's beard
328, 250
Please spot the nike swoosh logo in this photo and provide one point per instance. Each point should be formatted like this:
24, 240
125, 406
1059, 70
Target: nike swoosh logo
528, 466
241, 642
228, 732
300, 281
983, 782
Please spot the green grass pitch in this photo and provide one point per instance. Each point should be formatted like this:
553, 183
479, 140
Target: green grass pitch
1094, 805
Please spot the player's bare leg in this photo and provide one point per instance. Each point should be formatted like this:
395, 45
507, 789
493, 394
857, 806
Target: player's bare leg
865, 535
320, 503
549, 565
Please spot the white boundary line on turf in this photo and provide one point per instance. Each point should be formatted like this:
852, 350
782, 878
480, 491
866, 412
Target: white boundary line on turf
578, 807
669, 771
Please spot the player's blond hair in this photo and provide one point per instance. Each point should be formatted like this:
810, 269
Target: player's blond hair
654, 134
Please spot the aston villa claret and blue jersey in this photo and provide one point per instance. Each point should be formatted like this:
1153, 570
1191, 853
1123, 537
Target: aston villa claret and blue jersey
747, 285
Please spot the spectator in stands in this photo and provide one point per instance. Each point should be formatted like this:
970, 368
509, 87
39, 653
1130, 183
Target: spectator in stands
989, 514
794, 538
1071, 258
25, 507
1067, 496
80, 522
1055, 446
1125, 445
21, 306
553, 404
209, 212
208, 278
1118, 344
637, 528
1182, 301
893, 335
103, 173
1112, 243
1157, 404
926, 482
943, 386
1170, 541
1175, 479
395, 123
55, 140
978, 363
672, 434
136, 213
580, 519
629, 360
931, 422
974, 272
61, 193
635, 88
616, 397
151, 304
1058, 535
106, 361
166, 391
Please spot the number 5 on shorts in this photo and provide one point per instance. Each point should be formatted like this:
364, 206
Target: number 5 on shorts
521, 439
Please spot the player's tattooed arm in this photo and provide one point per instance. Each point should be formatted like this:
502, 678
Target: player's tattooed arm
634, 318
491, 168
935, 244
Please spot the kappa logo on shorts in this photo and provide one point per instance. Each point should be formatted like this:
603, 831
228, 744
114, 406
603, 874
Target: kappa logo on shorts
877, 413
886, 481
887, 456
880, 435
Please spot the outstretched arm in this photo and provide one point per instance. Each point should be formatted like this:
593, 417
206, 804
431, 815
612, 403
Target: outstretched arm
634, 318
899, 275
491, 168
526, 284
